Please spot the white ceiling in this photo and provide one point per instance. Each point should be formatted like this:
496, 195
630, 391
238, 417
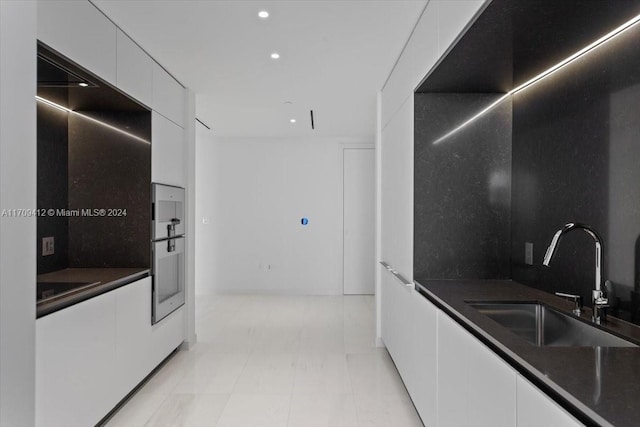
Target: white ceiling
335, 56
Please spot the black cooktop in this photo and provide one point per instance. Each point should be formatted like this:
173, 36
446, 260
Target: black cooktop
48, 291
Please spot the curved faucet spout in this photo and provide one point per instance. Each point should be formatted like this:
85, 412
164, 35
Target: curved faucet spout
599, 299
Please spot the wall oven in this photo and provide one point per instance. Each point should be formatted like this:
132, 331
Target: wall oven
167, 250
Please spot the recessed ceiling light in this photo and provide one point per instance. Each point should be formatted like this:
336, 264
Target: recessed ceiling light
292, 120
83, 84
275, 55
263, 14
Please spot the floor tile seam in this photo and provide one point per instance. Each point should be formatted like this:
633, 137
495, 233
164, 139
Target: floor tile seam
244, 366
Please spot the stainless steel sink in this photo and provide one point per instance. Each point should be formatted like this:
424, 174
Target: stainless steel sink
542, 325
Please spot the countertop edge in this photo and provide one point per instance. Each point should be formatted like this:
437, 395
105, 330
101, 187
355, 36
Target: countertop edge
63, 303
558, 394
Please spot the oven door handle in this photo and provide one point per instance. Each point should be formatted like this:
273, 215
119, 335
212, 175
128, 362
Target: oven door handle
168, 247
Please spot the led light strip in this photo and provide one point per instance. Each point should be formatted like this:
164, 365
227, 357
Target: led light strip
91, 119
590, 47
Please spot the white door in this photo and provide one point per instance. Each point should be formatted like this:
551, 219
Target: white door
359, 221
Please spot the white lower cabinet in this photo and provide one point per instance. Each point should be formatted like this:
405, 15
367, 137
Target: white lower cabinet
91, 355
536, 409
423, 358
454, 379
397, 325
475, 386
409, 328
75, 364
133, 334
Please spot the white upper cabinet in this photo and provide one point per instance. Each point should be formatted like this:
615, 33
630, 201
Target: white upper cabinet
80, 32
453, 17
134, 70
167, 151
168, 96
440, 24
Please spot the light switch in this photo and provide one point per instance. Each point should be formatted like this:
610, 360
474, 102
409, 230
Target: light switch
48, 246
528, 253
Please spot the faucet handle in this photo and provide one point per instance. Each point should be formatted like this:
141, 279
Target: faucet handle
600, 298
577, 299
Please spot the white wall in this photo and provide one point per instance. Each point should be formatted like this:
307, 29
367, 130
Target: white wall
254, 193
17, 191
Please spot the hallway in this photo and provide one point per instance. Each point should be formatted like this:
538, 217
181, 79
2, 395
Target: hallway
276, 361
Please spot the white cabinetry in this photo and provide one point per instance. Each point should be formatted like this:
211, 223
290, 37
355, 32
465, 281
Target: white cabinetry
476, 388
421, 381
90, 355
168, 96
134, 70
167, 151
133, 334
81, 32
536, 409
409, 331
397, 190
397, 331
454, 379
453, 17
438, 27
75, 354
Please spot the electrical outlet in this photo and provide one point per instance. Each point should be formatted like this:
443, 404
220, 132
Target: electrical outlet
48, 246
528, 253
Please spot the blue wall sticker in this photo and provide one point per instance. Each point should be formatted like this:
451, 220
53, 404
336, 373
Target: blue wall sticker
304, 221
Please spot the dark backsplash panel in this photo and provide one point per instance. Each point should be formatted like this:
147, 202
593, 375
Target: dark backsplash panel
110, 170
576, 158
52, 187
462, 190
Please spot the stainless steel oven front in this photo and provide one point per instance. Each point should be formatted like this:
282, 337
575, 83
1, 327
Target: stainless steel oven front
168, 277
167, 211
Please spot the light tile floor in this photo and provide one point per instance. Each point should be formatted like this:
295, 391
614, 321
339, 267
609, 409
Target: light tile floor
276, 361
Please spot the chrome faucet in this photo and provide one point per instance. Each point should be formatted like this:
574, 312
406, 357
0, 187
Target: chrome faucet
598, 297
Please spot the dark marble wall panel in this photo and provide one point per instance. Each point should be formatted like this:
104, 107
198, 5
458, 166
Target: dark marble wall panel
462, 187
576, 157
52, 187
109, 170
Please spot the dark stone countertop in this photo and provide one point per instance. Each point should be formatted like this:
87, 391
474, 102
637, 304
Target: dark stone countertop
100, 280
599, 389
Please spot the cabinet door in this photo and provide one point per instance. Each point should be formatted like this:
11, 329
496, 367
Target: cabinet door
81, 32
167, 151
475, 387
397, 190
421, 381
134, 70
391, 313
133, 334
75, 353
536, 409
397, 328
168, 96
453, 17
